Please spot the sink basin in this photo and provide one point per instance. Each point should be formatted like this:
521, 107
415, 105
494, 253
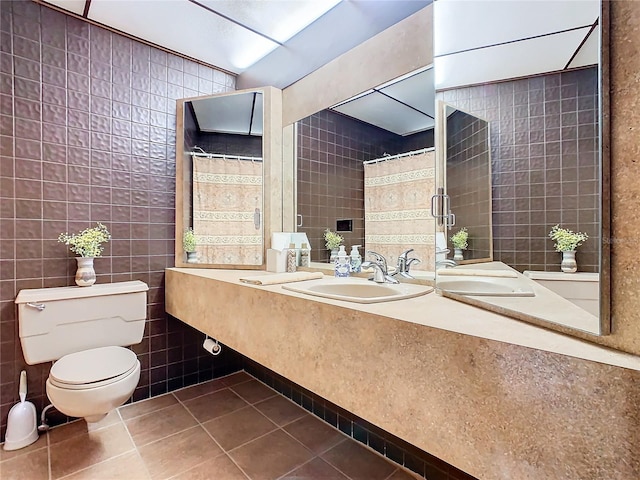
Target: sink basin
479, 286
357, 290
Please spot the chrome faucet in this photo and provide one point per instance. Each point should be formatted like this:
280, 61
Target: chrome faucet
447, 263
380, 271
404, 264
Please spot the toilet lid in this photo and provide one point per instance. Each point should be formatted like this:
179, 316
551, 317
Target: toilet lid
95, 365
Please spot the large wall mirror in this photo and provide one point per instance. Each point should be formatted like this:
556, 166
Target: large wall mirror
541, 164
365, 168
221, 180
532, 72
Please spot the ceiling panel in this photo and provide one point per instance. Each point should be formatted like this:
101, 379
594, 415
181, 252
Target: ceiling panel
386, 113
543, 54
230, 114
417, 91
185, 28
279, 20
589, 53
75, 6
466, 24
348, 24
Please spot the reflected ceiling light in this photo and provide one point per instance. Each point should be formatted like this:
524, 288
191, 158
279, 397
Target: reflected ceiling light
301, 17
251, 52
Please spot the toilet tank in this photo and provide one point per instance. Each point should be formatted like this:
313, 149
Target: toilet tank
54, 322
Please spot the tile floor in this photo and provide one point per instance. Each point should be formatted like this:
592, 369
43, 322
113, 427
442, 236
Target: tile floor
229, 428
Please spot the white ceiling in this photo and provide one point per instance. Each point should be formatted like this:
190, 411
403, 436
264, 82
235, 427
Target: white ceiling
266, 42
478, 41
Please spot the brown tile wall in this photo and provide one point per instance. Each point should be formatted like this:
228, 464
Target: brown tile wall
330, 185
544, 148
469, 181
87, 133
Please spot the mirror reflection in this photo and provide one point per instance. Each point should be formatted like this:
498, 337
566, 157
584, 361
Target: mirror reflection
536, 85
223, 174
365, 168
544, 124
468, 184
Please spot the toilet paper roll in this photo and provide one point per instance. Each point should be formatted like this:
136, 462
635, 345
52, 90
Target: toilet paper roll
211, 346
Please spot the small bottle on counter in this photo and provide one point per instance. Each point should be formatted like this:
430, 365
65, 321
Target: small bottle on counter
291, 258
305, 255
356, 259
343, 268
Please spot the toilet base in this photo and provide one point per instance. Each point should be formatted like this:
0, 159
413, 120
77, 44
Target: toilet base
95, 418
93, 404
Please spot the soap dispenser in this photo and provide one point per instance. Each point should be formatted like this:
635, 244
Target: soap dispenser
356, 259
342, 263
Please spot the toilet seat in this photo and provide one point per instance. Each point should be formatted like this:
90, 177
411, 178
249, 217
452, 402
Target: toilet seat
93, 368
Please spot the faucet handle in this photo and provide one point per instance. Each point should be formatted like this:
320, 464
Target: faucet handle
405, 253
379, 259
411, 261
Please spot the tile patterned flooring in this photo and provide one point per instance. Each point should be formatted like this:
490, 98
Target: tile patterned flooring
229, 428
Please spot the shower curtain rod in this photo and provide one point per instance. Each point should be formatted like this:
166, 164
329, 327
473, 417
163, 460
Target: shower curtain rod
230, 157
399, 155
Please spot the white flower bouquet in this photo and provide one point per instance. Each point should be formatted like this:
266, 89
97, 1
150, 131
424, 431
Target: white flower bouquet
87, 243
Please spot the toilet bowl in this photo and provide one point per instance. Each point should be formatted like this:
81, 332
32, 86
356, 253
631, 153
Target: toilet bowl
83, 330
93, 382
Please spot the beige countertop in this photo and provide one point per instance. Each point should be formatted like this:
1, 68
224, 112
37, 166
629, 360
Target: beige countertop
435, 311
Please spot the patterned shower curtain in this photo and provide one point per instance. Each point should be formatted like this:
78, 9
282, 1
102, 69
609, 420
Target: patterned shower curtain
226, 196
398, 217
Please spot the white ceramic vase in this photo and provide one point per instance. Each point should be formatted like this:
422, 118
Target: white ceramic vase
458, 255
569, 264
85, 274
334, 255
192, 257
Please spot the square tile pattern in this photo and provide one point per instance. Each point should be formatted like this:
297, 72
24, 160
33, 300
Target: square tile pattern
234, 427
544, 163
87, 134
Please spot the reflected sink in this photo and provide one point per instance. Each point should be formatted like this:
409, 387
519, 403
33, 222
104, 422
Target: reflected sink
485, 286
357, 290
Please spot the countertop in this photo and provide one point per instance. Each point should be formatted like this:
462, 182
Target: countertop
439, 312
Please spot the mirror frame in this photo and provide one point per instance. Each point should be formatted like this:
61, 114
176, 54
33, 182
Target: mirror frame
271, 174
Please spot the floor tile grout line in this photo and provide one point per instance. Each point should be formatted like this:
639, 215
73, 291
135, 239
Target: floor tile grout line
224, 452
391, 474
49, 456
97, 463
144, 464
150, 412
251, 403
281, 477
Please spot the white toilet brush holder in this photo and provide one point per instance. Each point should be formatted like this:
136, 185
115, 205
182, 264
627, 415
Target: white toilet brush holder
22, 429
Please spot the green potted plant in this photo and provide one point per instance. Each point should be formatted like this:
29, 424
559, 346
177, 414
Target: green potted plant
189, 245
88, 245
566, 242
460, 242
332, 241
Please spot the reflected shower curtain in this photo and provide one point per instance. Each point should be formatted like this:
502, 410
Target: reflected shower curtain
397, 195
226, 194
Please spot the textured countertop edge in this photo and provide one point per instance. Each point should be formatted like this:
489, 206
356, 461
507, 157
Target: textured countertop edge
500, 328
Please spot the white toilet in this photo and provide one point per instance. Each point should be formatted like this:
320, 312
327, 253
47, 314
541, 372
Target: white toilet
84, 331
